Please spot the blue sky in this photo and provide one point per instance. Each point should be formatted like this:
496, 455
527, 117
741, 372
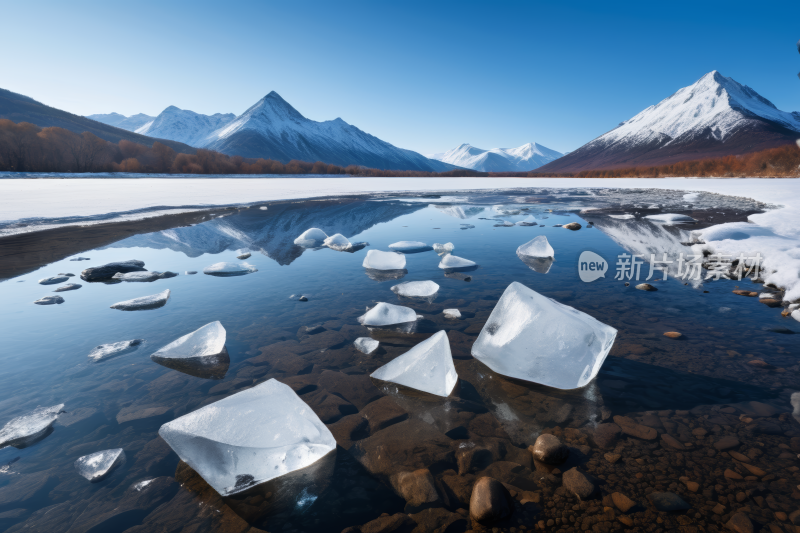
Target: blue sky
422, 75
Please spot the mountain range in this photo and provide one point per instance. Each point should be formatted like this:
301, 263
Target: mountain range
521, 159
716, 116
131, 123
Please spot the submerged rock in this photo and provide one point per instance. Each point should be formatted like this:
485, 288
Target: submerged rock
378, 260
409, 247
68, 287
107, 271
668, 501
49, 300
428, 367
54, 280
416, 289
229, 269
200, 353
154, 301
29, 429
384, 314
452, 262
549, 450
578, 484
249, 437
534, 338
107, 351
97, 466
574, 226
366, 345
646, 287
490, 501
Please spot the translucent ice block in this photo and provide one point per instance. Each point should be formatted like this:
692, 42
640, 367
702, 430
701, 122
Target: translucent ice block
537, 247
450, 261
409, 247
143, 302
338, 242
229, 269
443, 249
379, 260
366, 345
27, 429
113, 349
311, 238
428, 367
97, 466
385, 314
416, 289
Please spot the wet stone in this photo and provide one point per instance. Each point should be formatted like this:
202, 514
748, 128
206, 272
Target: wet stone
490, 501
668, 501
578, 483
549, 449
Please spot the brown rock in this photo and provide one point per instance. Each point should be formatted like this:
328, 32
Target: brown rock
673, 335
740, 523
758, 363
726, 443
606, 435
692, 486
383, 413
739, 456
741, 292
438, 520
549, 449
622, 502
578, 484
771, 302
574, 226
629, 427
672, 442
625, 520
388, 524
416, 488
754, 470
140, 412
612, 457
490, 501
730, 474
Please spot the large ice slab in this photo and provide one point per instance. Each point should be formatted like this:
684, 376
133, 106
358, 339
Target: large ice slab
379, 260
200, 353
539, 247
366, 345
249, 437
534, 338
428, 367
154, 301
97, 466
31, 428
452, 262
224, 269
385, 314
113, 349
416, 289
311, 238
409, 247
107, 271
338, 242
53, 280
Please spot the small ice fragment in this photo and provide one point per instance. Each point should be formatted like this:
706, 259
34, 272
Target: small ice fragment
207, 341
378, 260
243, 256
54, 280
311, 238
428, 367
504, 224
338, 242
796, 314
409, 247
97, 466
366, 345
385, 314
670, 218
69, 287
107, 351
450, 261
724, 309
142, 276
229, 269
622, 217
249, 437
263, 208
451, 313
443, 249
107, 271
534, 338
528, 221
28, 429
141, 485
153, 301
416, 289
49, 300
191, 272
769, 295
537, 247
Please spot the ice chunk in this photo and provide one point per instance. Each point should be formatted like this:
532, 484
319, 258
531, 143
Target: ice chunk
366, 345
54, 280
249, 437
141, 485
49, 300
31, 428
379, 260
443, 249
154, 301
97, 466
796, 314
142, 276
451, 313
538, 247
69, 287
534, 338
311, 238
200, 353
623, 217
385, 314
191, 272
229, 269
528, 221
107, 271
670, 218
107, 351
416, 289
450, 261
409, 247
243, 256
338, 242
504, 224
428, 367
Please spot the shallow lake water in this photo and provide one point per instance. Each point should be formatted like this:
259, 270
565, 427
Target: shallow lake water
704, 380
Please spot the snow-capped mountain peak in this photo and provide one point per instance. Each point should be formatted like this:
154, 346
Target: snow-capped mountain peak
183, 125
520, 159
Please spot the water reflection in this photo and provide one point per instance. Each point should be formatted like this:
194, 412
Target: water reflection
208, 367
538, 264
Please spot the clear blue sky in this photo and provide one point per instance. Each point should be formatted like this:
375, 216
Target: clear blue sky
422, 75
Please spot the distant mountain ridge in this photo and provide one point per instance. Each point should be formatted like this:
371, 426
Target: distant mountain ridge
714, 117
521, 159
131, 123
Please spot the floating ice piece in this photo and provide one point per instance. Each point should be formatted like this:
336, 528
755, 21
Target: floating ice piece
107, 351
366, 345
49, 300
531, 337
796, 314
503, 210
243, 256
141, 485
69, 287
416, 289
428, 367
385, 314
249, 437
31, 428
108, 270
200, 353
66, 274
142, 276
54, 280
229, 269
311, 238
97, 466
379, 260
626, 216
191, 272
450, 261
443, 249
153, 301
670, 218
537, 247
409, 247
528, 221
338, 242
451, 313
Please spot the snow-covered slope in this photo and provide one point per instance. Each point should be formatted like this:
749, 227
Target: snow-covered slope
714, 116
131, 123
521, 159
184, 126
274, 129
